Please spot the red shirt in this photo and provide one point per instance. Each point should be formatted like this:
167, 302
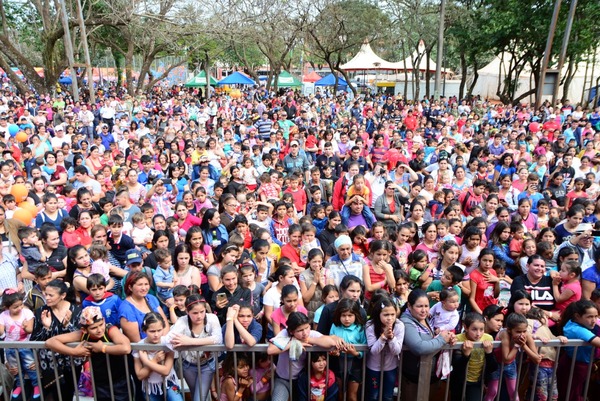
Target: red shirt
300, 199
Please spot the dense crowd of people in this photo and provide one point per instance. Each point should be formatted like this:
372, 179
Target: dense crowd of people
297, 221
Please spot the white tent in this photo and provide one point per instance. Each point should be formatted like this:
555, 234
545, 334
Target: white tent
366, 59
496, 70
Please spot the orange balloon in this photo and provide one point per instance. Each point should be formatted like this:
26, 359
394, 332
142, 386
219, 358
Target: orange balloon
21, 136
19, 191
30, 207
23, 216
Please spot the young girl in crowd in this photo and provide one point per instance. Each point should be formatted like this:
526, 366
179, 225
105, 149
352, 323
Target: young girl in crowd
378, 273
417, 268
537, 321
429, 243
348, 325
202, 254
377, 232
360, 245
514, 339
578, 322
566, 286
484, 283
444, 314
272, 299
16, 324
155, 368
385, 335
468, 362
261, 374
528, 249
261, 260
289, 303
319, 219
313, 280
504, 283
323, 386
499, 244
470, 249
236, 383
197, 328
248, 280
403, 247
402, 289
288, 344
329, 295
449, 251
494, 319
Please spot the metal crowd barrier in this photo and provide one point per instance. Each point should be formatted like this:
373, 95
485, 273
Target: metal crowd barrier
423, 390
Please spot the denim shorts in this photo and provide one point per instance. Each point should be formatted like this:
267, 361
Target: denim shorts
510, 372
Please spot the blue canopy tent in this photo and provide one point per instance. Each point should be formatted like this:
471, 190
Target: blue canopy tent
329, 80
237, 78
65, 80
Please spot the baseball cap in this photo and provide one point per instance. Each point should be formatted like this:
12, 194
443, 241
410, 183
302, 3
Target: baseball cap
133, 256
292, 143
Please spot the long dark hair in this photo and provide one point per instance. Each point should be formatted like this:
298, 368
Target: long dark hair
376, 308
576, 308
71, 265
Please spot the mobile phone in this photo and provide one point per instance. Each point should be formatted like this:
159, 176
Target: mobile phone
221, 297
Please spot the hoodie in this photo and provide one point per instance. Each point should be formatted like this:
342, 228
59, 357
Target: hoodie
420, 340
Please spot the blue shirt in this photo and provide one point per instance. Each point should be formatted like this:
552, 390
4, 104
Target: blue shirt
164, 276
132, 314
575, 331
255, 329
353, 334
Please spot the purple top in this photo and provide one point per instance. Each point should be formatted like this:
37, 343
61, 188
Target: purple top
386, 351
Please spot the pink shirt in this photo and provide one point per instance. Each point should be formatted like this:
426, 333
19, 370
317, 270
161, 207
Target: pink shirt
576, 288
280, 319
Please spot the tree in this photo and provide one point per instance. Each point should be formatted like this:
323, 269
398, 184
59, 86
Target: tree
340, 27
417, 22
466, 36
151, 29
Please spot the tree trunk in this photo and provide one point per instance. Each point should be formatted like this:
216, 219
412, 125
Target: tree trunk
568, 79
405, 94
18, 82
119, 64
129, 68
463, 78
475, 78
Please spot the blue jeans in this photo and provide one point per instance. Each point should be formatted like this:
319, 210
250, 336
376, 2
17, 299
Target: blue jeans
373, 385
199, 386
173, 393
27, 361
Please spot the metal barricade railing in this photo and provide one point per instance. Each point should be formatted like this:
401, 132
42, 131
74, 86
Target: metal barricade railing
423, 385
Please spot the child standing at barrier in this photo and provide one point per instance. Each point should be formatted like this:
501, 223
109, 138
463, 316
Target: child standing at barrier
468, 362
323, 386
17, 323
94, 338
155, 368
236, 386
290, 345
514, 339
348, 324
545, 389
385, 335
577, 323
